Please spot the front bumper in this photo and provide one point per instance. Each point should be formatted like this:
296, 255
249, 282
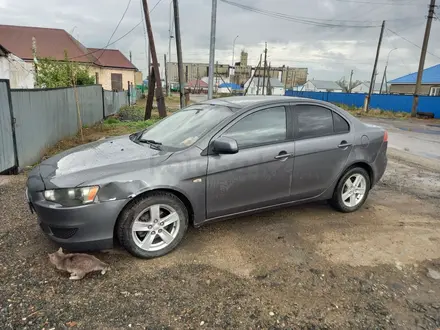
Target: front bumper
82, 228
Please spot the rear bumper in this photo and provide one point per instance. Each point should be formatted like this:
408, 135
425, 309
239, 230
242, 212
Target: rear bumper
380, 164
82, 228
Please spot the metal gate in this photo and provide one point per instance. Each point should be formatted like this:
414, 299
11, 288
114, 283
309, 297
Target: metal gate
8, 155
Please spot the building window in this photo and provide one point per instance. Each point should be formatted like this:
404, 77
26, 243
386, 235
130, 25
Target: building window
96, 78
435, 91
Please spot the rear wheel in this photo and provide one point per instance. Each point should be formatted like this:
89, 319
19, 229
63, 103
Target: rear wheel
352, 190
153, 225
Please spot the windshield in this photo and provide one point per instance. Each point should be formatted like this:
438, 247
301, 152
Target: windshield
185, 127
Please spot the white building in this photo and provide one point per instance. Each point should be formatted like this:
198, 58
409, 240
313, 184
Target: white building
365, 87
19, 73
322, 86
272, 86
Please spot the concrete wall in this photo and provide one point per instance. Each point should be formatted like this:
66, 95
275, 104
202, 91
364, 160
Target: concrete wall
19, 73
105, 77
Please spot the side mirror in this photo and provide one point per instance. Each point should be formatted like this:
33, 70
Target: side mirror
225, 145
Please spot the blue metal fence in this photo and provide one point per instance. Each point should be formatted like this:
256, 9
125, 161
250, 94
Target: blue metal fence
388, 102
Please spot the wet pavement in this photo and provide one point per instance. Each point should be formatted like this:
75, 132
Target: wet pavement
418, 138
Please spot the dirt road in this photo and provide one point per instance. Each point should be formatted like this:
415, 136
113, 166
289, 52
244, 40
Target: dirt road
305, 267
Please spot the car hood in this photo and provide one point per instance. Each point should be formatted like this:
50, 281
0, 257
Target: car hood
96, 160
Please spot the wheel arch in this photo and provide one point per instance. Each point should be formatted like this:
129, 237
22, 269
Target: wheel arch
181, 196
367, 167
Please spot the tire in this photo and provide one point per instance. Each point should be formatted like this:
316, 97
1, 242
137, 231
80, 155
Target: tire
349, 205
140, 234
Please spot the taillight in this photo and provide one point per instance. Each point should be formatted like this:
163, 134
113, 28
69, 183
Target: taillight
385, 137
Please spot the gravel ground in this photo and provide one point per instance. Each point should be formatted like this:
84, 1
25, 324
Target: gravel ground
305, 267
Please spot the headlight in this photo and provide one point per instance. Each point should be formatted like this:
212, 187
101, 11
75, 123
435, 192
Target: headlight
72, 196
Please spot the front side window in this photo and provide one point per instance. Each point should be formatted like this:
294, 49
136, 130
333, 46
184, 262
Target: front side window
261, 127
185, 127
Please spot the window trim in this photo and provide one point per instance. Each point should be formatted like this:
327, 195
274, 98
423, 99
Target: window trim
289, 126
296, 124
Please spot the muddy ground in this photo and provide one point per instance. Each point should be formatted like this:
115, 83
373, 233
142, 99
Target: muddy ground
306, 267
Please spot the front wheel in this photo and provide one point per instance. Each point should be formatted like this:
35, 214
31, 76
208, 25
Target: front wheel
153, 225
352, 190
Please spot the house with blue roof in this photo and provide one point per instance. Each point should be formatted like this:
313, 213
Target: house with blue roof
407, 84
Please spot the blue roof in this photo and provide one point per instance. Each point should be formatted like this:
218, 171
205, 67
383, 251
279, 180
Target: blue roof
230, 85
430, 76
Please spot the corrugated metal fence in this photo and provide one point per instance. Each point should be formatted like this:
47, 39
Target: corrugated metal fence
113, 101
7, 143
45, 116
388, 102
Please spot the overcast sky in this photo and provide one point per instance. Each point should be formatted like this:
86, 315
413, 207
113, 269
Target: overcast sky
329, 53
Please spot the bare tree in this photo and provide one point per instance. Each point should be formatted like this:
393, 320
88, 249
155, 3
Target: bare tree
344, 85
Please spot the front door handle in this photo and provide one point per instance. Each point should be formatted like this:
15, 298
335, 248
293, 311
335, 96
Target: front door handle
283, 155
344, 144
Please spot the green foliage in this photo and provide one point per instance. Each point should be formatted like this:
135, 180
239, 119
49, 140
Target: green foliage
52, 73
130, 125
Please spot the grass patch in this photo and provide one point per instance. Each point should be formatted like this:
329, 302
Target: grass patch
377, 113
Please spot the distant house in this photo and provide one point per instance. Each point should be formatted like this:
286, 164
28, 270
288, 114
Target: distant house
275, 87
407, 84
110, 67
13, 68
197, 86
365, 88
228, 88
321, 86
272, 86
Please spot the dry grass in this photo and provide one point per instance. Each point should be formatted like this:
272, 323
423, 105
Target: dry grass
110, 127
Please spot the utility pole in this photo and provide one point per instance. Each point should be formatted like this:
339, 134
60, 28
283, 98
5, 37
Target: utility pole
212, 49
422, 58
169, 47
373, 75
130, 58
179, 53
166, 73
259, 67
349, 84
149, 59
159, 94
252, 78
265, 67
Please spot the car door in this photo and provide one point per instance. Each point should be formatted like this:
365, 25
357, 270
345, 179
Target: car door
323, 142
260, 173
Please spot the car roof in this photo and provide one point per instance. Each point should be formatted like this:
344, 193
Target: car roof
240, 102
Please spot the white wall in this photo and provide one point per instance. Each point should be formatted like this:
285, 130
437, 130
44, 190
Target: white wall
19, 73
278, 91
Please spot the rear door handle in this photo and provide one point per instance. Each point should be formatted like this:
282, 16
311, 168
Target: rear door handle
344, 144
283, 155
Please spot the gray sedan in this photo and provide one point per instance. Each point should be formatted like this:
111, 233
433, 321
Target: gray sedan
209, 161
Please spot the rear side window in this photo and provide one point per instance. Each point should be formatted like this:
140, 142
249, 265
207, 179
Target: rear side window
340, 125
313, 121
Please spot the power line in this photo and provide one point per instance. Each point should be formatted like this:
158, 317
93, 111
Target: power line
116, 28
412, 43
120, 38
298, 19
